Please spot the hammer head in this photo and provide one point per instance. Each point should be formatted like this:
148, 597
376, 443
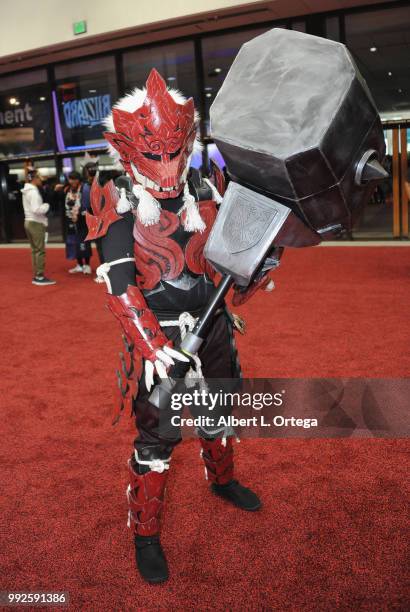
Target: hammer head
295, 121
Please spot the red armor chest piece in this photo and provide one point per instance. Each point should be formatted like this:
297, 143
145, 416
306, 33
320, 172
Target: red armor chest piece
158, 256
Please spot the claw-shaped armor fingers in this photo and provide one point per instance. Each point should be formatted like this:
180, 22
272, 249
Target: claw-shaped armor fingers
165, 359
142, 328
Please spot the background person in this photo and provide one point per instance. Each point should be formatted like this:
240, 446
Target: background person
35, 224
75, 208
28, 168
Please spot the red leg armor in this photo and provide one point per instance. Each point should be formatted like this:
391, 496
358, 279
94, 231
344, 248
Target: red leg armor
145, 500
218, 459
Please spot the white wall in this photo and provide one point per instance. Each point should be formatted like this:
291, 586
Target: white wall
26, 25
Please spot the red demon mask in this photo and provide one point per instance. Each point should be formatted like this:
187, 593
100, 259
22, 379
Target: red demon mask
156, 140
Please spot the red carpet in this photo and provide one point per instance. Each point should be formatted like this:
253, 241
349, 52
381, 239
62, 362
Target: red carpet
332, 532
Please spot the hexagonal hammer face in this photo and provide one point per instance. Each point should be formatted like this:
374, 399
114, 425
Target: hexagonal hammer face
293, 118
248, 225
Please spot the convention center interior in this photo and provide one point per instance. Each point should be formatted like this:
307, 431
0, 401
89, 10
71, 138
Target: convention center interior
205, 272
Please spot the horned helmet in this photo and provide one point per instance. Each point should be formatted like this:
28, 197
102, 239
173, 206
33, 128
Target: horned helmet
153, 132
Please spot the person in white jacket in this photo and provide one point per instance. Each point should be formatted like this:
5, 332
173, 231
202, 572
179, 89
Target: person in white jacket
35, 224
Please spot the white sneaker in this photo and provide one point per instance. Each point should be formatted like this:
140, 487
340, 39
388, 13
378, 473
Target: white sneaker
76, 270
99, 279
87, 269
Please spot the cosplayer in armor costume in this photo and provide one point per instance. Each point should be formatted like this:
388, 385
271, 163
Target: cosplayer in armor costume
317, 172
154, 223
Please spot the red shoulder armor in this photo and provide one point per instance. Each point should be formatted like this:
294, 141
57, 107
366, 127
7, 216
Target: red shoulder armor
103, 204
219, 178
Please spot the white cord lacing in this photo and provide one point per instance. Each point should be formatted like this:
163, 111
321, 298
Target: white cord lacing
186, 323
217, 196
155, 465
103, 269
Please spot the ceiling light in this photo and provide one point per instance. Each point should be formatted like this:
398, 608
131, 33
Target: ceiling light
390, 73
208, 95
92, 91
218, 70
400, 90
13, 101
171, 78
42, 98
208, 88
373, 49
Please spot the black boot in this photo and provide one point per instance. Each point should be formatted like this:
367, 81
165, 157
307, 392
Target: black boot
150, 558
218, 458
238, 495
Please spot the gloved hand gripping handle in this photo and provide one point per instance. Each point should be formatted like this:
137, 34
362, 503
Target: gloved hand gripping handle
161, 394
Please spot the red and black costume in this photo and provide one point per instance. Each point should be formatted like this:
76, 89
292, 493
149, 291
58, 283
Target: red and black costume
153, 224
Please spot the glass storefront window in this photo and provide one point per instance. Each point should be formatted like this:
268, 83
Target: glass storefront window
377, 219
25, 114
379, 42
86, 91
105, 162
215, 155
332, 28
299, 26
218, 54
175, 62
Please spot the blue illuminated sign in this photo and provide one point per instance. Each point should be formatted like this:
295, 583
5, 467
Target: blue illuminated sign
86, 111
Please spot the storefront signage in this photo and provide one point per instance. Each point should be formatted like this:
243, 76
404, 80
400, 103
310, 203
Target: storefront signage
16, 116
86, 111
11, 135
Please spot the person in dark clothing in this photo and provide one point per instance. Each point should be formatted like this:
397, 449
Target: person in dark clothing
76, 227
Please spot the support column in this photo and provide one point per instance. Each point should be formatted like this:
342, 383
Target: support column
396, 184
403, 176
